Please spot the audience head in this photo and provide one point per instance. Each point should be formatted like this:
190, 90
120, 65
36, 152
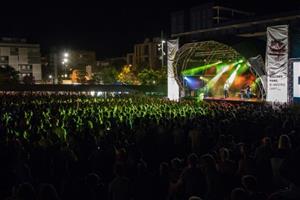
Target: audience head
119, 170
222, 140
284, 142
224, 154
164, 168
26, 192
266, 141
239, 194
249, 182
208, 163
195, 198
176, 163
122, 155
47, 192
244, 150
92, 180
229, 139
193, 160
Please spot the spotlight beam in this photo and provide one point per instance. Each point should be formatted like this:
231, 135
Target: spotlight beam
232, 76
193, 71
214, 80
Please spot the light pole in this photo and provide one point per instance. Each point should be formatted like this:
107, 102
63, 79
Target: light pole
65, 61
161, 46
162, 52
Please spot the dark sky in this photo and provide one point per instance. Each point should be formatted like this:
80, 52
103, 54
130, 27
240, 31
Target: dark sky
108, 27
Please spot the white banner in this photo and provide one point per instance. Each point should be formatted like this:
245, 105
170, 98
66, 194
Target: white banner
173, 88
277, 63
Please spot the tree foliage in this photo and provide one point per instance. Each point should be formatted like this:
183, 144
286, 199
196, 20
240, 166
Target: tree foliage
107, 75
79, 76
8, 75
152, 77
128, 76
29, 80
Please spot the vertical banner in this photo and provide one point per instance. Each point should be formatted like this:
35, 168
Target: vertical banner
277, 63
173, 88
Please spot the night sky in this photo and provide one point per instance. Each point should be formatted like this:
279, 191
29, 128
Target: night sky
108, 27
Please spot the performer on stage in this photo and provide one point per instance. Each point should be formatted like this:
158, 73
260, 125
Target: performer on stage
248, 92
242, 92
226, 90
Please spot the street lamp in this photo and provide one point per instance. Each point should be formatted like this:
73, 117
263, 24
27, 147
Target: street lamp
51, 78
65, 60
162, 52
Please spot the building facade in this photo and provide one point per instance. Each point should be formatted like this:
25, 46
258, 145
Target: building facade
22, 56
146, 54
205, 16
80, 59
117, 62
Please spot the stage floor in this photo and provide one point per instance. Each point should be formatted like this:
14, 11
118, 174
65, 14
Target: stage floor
234, 99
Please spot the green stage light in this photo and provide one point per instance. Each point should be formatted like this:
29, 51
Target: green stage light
195, 70
243, 69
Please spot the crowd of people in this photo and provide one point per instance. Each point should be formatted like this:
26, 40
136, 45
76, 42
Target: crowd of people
80, 147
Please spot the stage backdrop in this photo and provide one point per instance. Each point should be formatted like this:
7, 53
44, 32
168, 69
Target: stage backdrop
277, 63
173, 88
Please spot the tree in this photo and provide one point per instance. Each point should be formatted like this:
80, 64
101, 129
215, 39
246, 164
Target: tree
28, 80
118, 64
81, 76
151, 77
78, 76
107, 75
128, 76
8, 75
